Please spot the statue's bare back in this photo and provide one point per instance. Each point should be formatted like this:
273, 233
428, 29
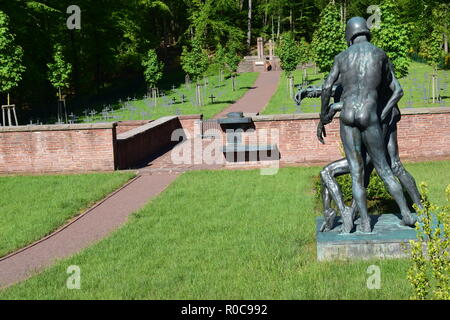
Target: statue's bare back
361, 68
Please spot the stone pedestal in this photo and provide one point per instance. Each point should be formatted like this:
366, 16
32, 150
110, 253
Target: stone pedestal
388, 240
260, 47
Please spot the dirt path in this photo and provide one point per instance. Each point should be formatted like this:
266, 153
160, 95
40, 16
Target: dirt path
257, 97
89, 228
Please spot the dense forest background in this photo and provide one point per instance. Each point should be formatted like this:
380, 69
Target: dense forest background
106, 53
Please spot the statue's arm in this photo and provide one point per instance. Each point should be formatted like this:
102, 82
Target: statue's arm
397, 93
327, 91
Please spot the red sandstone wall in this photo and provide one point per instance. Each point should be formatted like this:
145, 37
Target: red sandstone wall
191, 124
124, 126
62, 148
137, 145
422, 135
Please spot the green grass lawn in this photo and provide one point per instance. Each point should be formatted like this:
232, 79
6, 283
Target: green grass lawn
417, 87
143, 108
226, 235
34, 206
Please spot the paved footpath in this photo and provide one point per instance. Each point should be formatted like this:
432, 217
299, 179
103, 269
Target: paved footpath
87, 229
257, 97
112, 212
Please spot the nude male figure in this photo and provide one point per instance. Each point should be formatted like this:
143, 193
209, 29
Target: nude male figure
362, 70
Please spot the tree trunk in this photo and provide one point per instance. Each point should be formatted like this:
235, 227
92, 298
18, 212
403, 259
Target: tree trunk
273, 29
291, 86
445, 43
249, 31
291, 20
433, 86
279, 27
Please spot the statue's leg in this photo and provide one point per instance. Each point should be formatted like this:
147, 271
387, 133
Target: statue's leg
406, 179
352, 141
329, 213
376, 148
331, 191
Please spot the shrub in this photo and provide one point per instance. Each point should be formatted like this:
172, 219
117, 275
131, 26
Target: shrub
429, 274
375, 191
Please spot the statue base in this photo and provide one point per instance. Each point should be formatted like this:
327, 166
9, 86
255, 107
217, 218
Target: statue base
388, 240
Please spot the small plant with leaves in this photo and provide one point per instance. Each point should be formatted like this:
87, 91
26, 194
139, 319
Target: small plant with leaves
429, 274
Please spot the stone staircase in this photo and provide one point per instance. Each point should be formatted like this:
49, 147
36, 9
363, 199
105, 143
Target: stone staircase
248, 64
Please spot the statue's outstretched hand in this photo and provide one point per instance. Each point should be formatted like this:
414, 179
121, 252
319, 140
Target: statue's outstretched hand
321, 133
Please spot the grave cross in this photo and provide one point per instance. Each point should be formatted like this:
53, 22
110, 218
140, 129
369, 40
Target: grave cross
72, 118
92, 114
212, 97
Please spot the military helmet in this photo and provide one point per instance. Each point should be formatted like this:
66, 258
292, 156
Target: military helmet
356, 26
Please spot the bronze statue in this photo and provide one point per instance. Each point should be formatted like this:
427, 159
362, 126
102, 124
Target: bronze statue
369, 115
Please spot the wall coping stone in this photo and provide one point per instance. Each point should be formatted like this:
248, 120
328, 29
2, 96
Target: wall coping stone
59, 127
308, 116
190, 116
132, 122
136, 131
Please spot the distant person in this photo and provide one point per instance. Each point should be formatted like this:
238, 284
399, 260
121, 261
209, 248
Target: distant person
267, 65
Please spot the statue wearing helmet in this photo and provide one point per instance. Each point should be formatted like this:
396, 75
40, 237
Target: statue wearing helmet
370, 94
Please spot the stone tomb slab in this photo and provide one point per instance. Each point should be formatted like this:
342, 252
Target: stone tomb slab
387, 240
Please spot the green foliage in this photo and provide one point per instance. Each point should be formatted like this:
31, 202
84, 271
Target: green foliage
232, 57
288, 52
11, 68
305, 51
219, 56
328, 38
393, 37
59, 70
194, 61
376, 190
153, 68
431, 46
429, 274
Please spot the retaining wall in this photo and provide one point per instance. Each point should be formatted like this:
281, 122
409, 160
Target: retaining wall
57, 148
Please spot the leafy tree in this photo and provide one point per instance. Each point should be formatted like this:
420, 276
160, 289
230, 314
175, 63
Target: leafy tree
328, 39
431, 46
11, 68
304, 49
195, 60
289, 54
59, 70
393, 37
153, 68
195, 63
219, 59
232, 60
